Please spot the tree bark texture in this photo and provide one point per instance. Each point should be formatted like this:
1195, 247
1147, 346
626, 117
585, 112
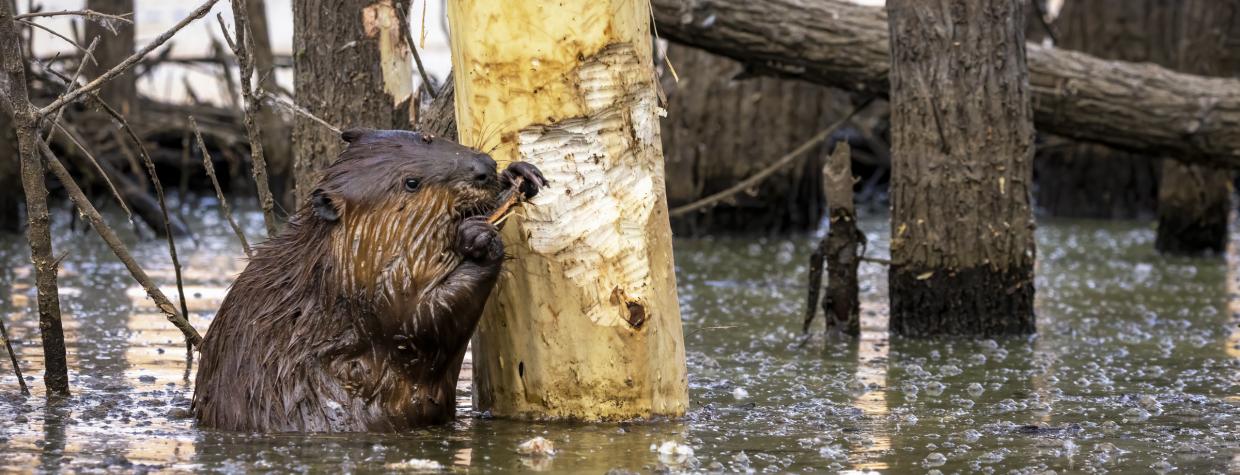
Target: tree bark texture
1194, 201
720, 130
584, 323
962, 245
114, 47
841, 248
38, 233
352, 69
1136, 106
277, 148
10, 173
1084, 180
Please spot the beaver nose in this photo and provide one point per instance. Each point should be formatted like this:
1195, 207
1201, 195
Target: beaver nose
483, 169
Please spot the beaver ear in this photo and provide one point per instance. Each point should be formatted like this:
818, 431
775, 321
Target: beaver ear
351, 135
324, 207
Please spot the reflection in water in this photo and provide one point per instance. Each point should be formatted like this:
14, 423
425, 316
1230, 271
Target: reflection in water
1137, 367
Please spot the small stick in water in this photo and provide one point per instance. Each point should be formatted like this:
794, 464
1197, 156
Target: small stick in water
17, 370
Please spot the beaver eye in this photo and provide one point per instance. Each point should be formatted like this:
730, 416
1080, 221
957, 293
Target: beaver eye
411, 184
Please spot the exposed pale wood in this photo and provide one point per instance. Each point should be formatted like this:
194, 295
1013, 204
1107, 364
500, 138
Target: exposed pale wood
585, 323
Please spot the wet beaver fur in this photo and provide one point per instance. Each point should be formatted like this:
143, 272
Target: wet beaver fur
357, 315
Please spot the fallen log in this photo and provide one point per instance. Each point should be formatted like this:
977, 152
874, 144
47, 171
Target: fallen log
1135, 106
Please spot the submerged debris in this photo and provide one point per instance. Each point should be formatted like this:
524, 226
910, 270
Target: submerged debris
537, 447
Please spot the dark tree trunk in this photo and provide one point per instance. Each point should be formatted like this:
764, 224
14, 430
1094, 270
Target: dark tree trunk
1087, 180
1137, 106
38, 232
121, 92
962, 151
721, 130
276, 145
10, 174
349, 72
1194, 201
841, 248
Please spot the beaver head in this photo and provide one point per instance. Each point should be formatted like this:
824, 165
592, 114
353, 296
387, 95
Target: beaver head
390, 207
356, 316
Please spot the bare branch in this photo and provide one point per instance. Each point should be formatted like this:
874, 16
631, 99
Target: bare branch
72, 84
243, 49
88, 14
128, 62
17, 369
114, 242
290, 105
426, 80
768, 171
93, 161
52, 32
219, 193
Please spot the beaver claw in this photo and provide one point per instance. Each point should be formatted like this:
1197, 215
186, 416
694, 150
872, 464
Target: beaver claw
478, 240
532, 178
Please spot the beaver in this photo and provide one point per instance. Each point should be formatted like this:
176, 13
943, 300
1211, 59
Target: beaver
357, 315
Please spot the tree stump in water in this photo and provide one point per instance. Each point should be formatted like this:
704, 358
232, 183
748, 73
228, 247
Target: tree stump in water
1192, 209
842, 306
841, 249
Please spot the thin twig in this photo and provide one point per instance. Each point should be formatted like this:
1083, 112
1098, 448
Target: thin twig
128, 62
72, 84
219, 193
243, 49
514, 195
52, 32
290, 105
417, 58
17, 369
114, 242
99, 168
89, 14
770, 170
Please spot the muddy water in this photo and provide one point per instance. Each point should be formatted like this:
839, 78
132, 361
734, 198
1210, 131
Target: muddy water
1136, 368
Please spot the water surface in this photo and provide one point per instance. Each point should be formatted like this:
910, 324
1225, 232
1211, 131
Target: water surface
1136, 368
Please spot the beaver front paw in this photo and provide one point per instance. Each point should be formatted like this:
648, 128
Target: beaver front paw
478, 240
532, 178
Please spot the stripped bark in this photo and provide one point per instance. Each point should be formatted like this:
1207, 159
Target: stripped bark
38, 232
1140, 107
584, 323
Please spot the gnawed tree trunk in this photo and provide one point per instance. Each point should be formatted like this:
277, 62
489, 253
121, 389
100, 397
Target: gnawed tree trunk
277, 148
721, 130
122, 91
1088, 180
584, 323
353, 69
962, 246
38, 232
1140, 107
